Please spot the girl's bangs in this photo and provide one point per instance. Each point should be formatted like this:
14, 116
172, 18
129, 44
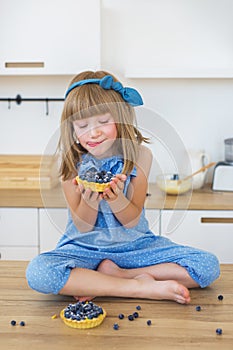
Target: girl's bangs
90, 111
91, 100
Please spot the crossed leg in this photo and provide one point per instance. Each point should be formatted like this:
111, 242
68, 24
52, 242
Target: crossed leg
160, 272
158, 282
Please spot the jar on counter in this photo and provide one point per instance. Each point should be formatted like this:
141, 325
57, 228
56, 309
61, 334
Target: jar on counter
229, 150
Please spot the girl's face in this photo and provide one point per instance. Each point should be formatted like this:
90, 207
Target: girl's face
96, 134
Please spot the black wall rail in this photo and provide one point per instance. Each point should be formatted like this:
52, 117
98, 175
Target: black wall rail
18, 99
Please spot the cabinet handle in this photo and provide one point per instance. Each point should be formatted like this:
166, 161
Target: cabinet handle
24, 64
217, 220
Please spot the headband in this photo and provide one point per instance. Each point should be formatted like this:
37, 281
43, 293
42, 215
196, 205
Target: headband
128, 94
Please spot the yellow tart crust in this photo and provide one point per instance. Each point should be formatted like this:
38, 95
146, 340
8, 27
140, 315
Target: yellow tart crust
94, 186
83, 324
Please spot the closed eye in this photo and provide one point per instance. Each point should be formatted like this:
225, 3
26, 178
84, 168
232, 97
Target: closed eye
105, 121
82, 126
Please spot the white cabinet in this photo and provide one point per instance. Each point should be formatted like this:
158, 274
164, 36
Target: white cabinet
176, 38
49, 37
153, 217
52, 226
18, 233
25, 232
208, 230
18, 253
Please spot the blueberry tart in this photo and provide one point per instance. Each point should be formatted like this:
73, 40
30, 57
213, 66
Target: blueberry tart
83, 315
97, 181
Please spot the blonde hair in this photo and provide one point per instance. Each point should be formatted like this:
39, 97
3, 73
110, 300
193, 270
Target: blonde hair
89, 100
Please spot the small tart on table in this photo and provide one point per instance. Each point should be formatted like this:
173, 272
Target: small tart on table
83, 315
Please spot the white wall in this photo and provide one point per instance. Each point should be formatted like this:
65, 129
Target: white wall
25, 128
200, 111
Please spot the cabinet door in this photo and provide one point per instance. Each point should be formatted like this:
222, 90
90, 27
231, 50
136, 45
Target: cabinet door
18, 253
178, 38
153, 217
52, 226
49, 37
18, 227
18, 233
208, 230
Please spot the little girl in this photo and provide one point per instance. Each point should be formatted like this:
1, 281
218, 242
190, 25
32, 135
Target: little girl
108, 248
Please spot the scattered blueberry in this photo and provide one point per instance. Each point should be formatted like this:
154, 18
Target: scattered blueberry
135, 315
121, 316
13, 322
116, 326
219, 331
22, 323
130, 318
149, 323
220, 297
138, 307
198, 308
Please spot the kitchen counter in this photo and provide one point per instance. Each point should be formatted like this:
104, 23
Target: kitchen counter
203, 199
174, 326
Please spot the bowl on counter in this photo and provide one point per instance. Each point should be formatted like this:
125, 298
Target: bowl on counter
174, 184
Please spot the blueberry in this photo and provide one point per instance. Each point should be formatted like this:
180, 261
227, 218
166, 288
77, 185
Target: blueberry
220, 297
149, 323
219, 331
130, 318
13, 322
121, 316
198, 308
22, 323
135, 315
138, 307
87, 307
100, 311
116, 326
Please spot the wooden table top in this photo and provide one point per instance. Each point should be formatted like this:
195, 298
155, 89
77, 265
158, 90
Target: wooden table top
174, 326
203, 199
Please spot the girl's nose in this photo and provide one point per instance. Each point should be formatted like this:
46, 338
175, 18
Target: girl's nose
95, 132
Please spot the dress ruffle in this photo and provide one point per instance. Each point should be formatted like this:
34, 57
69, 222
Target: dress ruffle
114, 164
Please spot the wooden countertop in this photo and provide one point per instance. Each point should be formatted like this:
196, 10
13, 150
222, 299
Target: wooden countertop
174, 326
204, 199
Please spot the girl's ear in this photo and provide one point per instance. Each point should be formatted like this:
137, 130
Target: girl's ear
75, 138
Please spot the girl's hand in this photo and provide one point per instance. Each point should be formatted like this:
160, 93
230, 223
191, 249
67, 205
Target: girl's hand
116, 187
90, 197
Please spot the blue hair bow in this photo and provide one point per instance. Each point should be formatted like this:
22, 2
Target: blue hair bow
128, 94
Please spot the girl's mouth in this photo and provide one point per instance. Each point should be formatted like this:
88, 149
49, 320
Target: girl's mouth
94, 144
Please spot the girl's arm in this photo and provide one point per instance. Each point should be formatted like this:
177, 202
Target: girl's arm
83, 205
127, 209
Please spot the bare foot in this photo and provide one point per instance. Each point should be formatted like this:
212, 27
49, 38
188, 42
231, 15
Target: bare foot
108, 267
83, 298
162, 290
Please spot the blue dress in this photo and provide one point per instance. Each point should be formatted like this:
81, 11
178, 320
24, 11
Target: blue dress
128, 247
